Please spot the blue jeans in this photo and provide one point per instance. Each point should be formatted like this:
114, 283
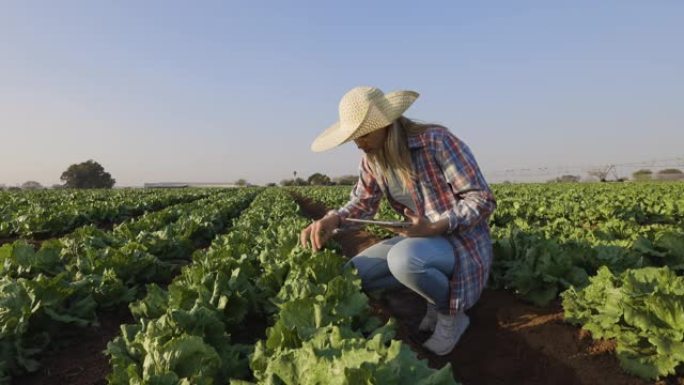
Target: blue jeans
424, 265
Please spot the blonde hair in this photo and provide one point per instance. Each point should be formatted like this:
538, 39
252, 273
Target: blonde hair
395, 154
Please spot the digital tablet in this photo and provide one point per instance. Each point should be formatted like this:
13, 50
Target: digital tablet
380, 223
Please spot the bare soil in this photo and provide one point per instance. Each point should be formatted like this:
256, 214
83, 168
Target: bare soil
508, 342
81, 361
36, 243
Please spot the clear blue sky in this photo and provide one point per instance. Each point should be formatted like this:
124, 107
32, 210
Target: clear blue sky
213, 91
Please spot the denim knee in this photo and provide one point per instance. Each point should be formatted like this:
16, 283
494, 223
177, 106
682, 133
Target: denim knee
404, 264
349, 265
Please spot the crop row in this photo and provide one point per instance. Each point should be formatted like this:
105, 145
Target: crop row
549, 237
615, 252
49, 213
208, 326
66, 280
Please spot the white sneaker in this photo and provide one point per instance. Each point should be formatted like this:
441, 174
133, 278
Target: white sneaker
427, 324
448, 331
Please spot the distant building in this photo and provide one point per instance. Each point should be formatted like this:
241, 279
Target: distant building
219, 185
185, 185
166, 185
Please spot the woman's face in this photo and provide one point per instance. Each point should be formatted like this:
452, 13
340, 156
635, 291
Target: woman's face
372, 141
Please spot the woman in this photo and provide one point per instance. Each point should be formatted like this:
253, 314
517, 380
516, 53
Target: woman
431, 177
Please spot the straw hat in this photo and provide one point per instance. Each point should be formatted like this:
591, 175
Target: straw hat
363, 110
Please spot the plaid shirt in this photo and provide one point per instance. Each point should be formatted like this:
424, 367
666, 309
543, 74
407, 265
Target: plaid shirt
447, 184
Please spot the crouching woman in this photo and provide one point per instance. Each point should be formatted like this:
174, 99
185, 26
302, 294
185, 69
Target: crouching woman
431, 177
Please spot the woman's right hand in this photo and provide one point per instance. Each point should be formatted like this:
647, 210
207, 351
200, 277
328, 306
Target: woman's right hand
319, 232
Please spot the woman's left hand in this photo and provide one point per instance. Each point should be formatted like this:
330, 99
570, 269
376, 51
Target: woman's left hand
420, 226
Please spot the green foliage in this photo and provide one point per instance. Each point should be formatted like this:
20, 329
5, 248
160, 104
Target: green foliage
566, 179
550, 237
68, 279
538, 269
318, 179
642, 309
547, 238
665, 249
88, 174
294, 182
572, 239
346, 180
674, 171
642, 175
352, 358
673, 174
189, 333
53, 213
31, 185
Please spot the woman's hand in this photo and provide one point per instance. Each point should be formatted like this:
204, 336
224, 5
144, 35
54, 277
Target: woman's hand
420, 226
319, 232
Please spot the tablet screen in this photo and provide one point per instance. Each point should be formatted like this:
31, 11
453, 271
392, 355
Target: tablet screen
380, 223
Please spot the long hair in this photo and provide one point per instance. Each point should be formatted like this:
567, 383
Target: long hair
395, 154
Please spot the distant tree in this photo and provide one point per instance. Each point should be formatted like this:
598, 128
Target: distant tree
642, 174
671, 171
271, 184
31, 185
599, 173
670, 174
14, 188
2, 187
293, 182
57, 186
319, 179
567, 179
89, 174
241, 182
346, 180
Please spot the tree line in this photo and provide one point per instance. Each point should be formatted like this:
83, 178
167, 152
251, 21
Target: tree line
90, 174
85, 175
319, 179
603, 175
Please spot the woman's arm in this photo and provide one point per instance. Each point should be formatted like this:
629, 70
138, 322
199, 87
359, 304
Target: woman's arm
475, 201
365, 197
364, 203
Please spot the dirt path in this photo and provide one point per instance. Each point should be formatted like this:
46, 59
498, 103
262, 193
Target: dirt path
35, 242
81, 361
508, 342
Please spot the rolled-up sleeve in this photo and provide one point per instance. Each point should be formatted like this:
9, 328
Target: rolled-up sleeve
365, 197
474, 200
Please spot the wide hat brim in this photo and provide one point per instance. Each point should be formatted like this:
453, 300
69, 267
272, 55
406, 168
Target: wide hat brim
378, 115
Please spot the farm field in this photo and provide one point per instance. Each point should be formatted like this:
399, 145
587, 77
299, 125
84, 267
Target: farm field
210, 286
217, 289
623, 243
